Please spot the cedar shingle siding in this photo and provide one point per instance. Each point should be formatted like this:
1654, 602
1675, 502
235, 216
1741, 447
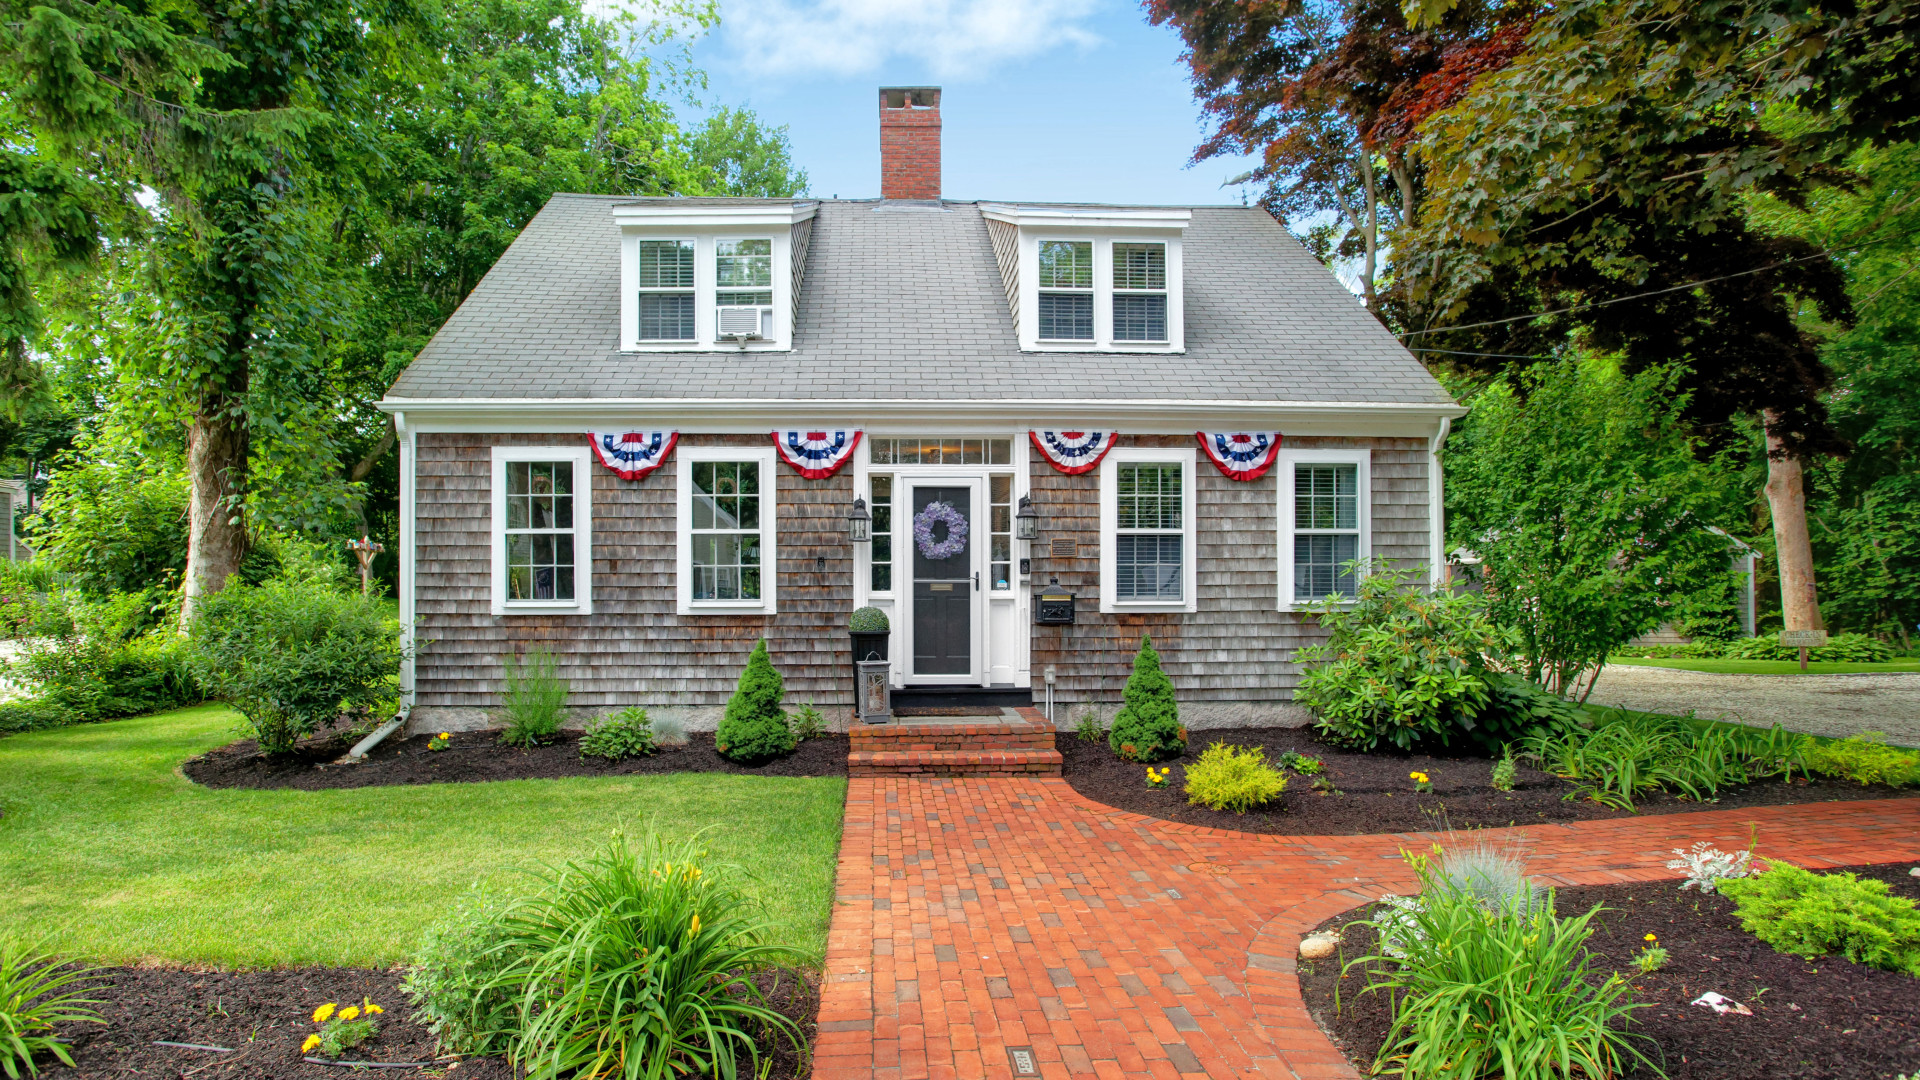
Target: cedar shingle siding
633, 649
1233, 653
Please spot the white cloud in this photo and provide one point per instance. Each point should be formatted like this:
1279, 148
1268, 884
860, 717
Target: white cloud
849, 37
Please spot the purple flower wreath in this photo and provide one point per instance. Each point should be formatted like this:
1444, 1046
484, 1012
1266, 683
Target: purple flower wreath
923, 523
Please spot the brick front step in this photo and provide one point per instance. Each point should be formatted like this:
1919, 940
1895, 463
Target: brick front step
1031, 762
923, 736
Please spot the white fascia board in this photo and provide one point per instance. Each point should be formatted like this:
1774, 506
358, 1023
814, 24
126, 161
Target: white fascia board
1172, 417
1054, 217
667, 215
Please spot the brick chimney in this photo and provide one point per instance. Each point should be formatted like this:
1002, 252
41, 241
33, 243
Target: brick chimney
909, 142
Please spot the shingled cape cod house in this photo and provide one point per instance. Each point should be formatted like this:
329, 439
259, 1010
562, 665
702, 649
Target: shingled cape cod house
638, 442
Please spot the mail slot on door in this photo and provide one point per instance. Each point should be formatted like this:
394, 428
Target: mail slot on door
1053, 608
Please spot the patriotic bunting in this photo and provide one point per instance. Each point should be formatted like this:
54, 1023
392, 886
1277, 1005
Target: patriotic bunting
633, 454
1073, 452
816, 455
1241, 455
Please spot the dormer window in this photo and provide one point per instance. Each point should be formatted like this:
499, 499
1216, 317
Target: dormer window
1139, 292
1066, 290
666, 290
707, 277
1091, 279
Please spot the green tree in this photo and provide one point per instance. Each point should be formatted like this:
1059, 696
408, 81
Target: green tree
1147, 727
1580, 492
754, 728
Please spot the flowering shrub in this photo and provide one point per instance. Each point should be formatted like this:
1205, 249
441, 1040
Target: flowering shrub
342, 1029
440, 741
1233, 778
1707, 866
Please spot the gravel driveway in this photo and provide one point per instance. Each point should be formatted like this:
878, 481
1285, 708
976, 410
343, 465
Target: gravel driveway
1835, 705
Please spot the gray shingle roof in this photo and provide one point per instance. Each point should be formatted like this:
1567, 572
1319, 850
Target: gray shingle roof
907, 302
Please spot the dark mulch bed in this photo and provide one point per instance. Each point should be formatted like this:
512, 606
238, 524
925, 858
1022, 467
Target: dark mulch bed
474, 756
1826, 1019
263, 1016
1375, 795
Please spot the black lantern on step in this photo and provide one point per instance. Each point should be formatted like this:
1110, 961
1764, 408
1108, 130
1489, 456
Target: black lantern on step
1026, 523
859, 522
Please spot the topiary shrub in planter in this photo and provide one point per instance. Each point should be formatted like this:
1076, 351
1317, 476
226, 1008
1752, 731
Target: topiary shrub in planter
292, 658
1147, 727
868, 620
754, 728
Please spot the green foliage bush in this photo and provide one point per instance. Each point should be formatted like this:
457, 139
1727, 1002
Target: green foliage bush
534, 698
1147, 727
113, 528
868, 620
455, 980
38, 994
754, 728
1865, 758
627, 733
636, 963
1807, 914
1490, 989
96, 660
292, 658
1233, 778
1404, 665
1847, 648
807, 723
1692, 650
1627, 755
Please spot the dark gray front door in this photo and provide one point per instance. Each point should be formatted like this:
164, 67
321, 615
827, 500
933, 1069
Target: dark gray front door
943, 590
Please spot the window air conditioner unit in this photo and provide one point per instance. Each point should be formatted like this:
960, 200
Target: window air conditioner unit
746, 322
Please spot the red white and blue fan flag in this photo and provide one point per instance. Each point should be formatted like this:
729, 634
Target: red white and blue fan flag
633, 454
1073, 452
817, 454
1241, 455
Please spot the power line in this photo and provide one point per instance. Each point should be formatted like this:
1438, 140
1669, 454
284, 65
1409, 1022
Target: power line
1502, 355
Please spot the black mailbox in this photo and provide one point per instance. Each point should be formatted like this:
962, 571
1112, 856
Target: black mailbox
1053, 608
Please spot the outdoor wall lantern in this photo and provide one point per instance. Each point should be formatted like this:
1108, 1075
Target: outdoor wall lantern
1026, 523
859, 522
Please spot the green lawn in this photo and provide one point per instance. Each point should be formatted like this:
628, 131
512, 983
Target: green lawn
1769, 667
112, 855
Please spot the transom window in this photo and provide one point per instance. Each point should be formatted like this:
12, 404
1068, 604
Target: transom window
725, 530
539, 530
1066, 290
1149, 541
743, 272
666, 290
885, 451
1326, 530
1139, 292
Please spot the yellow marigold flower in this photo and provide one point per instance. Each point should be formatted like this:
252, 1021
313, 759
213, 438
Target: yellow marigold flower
312, 1041
445, 735
373, 1010
351, 1012
1650, 937
320, 1014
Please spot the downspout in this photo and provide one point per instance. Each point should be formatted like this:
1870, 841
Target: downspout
1436, 504
408, 445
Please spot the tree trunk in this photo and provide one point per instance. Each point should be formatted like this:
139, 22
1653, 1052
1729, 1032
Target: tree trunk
1787, 499
217, 472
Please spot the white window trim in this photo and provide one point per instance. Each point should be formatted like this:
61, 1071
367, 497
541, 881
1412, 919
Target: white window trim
1186, 457
638, 291
685, 604
1103, 292
705, 225
1289, 460
582, 602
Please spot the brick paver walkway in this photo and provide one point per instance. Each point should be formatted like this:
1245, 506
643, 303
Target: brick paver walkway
978, 916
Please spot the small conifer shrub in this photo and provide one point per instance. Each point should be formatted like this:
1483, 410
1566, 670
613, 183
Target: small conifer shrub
754, 728
1147, 727
1811, 915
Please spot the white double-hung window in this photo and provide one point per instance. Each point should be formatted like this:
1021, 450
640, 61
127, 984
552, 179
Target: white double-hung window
1147, 530
708, 277
1066, 290
667, 297
1324, 524
542, 531
1139, 292
725, 515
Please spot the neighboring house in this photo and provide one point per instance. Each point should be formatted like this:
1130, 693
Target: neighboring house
15, 503
907, 352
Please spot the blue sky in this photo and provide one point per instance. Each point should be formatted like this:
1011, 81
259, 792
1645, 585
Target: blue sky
1056, 100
